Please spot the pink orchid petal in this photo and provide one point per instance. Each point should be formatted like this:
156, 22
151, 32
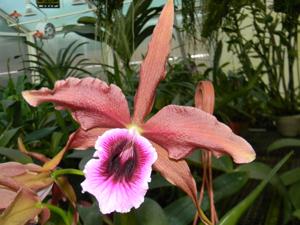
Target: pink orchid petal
205, 96
181, 129
83, 139
177, 172
92, 102
115, 186
153, 68
205, 100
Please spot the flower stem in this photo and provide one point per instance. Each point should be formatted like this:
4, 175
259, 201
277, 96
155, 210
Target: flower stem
61, 172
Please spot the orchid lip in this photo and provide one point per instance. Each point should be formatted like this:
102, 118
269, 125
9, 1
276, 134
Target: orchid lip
118, 176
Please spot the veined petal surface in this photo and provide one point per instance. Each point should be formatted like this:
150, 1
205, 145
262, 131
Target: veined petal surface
118, 176
177, 172
153, 67
181, 129
92, 102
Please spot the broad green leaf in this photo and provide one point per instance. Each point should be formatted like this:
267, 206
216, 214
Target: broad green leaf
7, 136
39, 134
295, 195
125, 219
284, 143
90, 215
150, 213
297, 213
21, 210
223, 163
290, 177
273, 214
157, 181
15, 155
6, 103
255, 170
182, 211
228, 184
233, 216
56, 140
260, 171
81, 154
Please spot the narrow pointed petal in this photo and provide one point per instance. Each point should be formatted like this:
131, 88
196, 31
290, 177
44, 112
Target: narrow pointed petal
92, 102
118, 176
205, 96
83, 139
153, 68
177, 172
181, 129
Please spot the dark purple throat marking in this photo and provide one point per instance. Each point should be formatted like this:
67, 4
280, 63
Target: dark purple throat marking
122, 162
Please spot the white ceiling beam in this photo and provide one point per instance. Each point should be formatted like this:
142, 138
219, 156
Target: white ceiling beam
10, 21
11, 34
53, 17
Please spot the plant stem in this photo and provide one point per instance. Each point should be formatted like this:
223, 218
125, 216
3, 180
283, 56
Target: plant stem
61, 172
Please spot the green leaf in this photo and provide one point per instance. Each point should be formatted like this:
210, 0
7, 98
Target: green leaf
291, 176
182, 210
233, 216
295, 195
223, 163
150, 213
297, 214
90, 215
15, 155
7, 136
284, 143
261, 171
157, 181
81, 154
58, 211
228, 184
39, 134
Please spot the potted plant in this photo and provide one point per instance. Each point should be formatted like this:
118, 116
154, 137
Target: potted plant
269, 51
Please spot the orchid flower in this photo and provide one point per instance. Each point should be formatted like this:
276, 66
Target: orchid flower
128, 147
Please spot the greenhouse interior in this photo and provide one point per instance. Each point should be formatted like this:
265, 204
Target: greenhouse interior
149, 112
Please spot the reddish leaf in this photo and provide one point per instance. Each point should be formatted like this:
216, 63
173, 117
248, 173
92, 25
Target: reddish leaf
67, 189
35, 155
34, 181
7, 196
176, 172
82, 139
92, 102
44, 216
21, 210
153, 68
10, 169
181, 129
205, 96
53, 163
